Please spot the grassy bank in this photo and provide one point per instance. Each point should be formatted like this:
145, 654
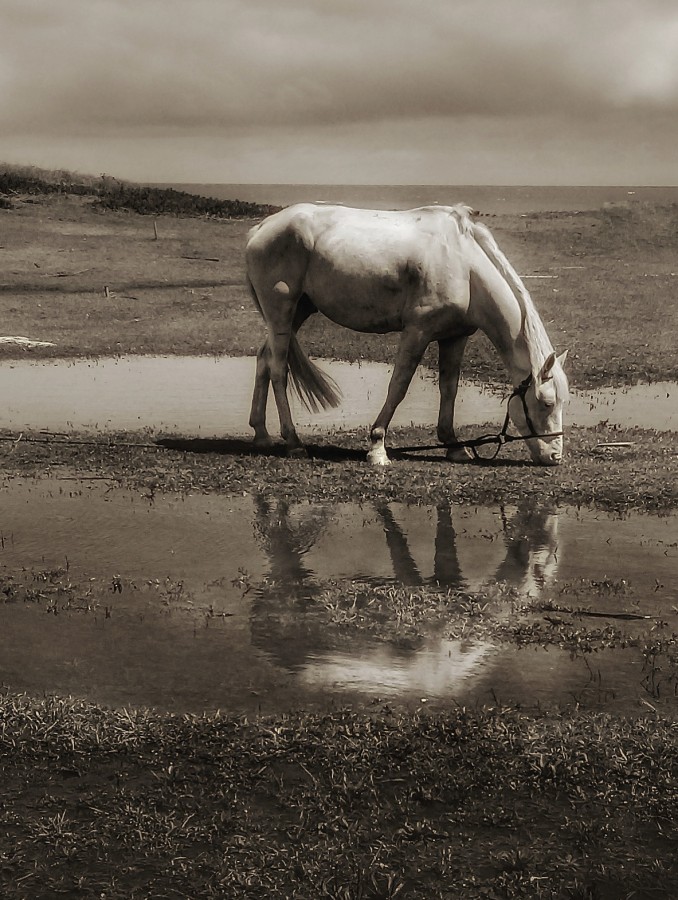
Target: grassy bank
19, 182
642, 475
482, 803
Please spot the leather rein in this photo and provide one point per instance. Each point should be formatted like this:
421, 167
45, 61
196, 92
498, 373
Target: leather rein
502, 437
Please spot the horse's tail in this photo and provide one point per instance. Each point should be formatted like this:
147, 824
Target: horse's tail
313, 387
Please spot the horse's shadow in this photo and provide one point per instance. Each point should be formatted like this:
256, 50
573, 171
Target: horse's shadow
244, 447
321, 451
220, 446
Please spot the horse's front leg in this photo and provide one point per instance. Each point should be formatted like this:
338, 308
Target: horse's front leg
450, 353
410, 351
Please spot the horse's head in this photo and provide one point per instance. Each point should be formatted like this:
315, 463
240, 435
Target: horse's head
536, 409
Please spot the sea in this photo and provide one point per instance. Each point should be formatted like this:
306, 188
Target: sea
490, 200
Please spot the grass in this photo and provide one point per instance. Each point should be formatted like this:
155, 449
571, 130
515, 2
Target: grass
340, 805
643, 476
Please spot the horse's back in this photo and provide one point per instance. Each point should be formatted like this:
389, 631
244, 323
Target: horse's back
294, 220
307, 221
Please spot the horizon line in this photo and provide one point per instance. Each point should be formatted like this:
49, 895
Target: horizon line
416, 184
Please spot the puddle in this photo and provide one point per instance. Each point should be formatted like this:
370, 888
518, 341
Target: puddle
219, 600
211, 397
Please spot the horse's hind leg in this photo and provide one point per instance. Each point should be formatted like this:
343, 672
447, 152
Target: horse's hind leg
259, 397
263, 377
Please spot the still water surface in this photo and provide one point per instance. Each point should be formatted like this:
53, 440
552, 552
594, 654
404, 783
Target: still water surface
221, 599
210, 396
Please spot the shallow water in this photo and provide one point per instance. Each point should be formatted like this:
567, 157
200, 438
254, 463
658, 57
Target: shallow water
209, 396
220, 602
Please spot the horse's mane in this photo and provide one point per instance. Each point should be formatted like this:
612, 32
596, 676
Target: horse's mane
538, 342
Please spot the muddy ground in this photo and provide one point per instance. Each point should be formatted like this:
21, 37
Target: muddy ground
351, 803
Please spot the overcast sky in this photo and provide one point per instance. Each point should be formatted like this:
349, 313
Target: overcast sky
345, 91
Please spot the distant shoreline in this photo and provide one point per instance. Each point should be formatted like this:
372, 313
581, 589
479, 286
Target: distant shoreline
491, 199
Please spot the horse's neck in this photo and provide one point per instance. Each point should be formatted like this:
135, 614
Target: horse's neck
517, 359
502, 318
503, 325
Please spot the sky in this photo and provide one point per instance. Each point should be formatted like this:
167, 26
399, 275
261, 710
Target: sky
343, 91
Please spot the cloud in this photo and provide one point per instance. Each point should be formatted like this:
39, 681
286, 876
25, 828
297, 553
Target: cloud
166, 67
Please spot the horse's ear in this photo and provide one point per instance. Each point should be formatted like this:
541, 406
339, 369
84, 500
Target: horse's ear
545, 373
562, 358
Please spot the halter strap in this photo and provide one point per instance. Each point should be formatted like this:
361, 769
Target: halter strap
502, 437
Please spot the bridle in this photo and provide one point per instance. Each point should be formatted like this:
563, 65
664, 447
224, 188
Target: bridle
502, 437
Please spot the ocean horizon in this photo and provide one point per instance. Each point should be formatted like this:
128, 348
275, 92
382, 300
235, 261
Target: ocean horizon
488, 199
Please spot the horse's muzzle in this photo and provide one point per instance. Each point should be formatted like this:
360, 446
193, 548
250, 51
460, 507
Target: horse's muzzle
545, 453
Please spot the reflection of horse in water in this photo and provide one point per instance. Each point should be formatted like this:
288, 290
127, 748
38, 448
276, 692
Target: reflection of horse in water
286, 535
471, 550
531, 562
526, 557
467, 555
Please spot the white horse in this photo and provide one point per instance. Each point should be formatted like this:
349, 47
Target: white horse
432, 274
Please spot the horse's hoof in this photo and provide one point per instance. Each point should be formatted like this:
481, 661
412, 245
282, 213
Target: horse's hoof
459, 454
297, 453
262, 444
378, 458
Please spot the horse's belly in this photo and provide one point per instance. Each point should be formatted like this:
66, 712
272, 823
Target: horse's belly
368, 305
371, 315
376, 280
